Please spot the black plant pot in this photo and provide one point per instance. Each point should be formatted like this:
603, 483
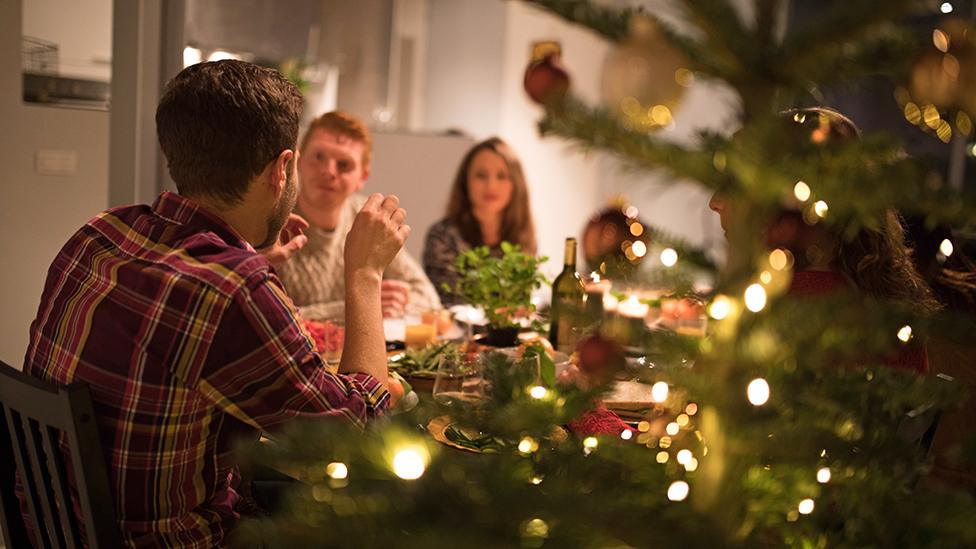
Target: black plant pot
501, 337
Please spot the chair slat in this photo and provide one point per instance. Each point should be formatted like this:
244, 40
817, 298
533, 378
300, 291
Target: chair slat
62, 489
51, 522
13, 529
28, 479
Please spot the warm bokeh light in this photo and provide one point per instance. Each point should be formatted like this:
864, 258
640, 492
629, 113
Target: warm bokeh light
779, 259
662, 457
805, 507
823, 475
409, 464
691, 409
678, 490
941, 40
692, 465
758, 391
528, 445
765, 277
946, 7
659, 391
720, 308
538, 392
683, 456
820, 208
626, 434
337, 470
636, 229
682, 420
672, 428
669, 257
905, 333
755, 298
946, 247
801, 191
639, 249
590, 443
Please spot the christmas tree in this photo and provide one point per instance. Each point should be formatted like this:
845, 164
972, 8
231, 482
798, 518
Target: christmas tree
783, 426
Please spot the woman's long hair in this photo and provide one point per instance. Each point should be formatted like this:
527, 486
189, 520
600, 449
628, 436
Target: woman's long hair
517, 225
877, 260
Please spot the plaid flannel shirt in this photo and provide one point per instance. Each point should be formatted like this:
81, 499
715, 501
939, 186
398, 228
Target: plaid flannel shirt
189, 342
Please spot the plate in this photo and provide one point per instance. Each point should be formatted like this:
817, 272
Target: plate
630, 398
438, 429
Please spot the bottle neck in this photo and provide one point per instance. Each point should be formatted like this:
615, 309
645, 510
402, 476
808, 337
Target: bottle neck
569, 263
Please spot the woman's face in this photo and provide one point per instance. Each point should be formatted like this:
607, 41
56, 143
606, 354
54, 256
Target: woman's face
490, 185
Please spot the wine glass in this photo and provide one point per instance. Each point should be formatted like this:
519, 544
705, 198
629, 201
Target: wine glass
458, 381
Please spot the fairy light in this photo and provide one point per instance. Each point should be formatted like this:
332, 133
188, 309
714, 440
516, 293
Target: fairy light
661, 115
913, 113
766, 277
590, 443
665, 442
669, 257
678, 490
905, 333
636, 229
626, 434
755, 298
820, 208
720, 308
639, 248
631, 211
779, 259
692, 465
659, 391
409, 464
691, 409
536, 480
683, 456
801, 191
672, 428
538, 392
823, 475
682, 420
946, 7
805, 507
946, 247
528, 445
536, 528
644, 426
337, 470
941, 40
662, 457
758, 391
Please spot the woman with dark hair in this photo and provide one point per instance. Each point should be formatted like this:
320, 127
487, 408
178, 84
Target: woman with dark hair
489, 204
876, 261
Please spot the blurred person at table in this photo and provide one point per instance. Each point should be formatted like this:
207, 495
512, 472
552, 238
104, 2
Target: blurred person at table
875, 262
333, 166
488, 205
181, 327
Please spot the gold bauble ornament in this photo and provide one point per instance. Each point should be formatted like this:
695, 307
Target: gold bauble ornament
944, 75
645, 78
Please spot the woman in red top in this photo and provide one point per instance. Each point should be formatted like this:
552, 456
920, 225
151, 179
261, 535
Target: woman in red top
876, 261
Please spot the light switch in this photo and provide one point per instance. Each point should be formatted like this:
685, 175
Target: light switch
53, 162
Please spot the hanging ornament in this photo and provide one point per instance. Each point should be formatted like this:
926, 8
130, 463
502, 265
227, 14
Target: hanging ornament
600, 358
945, 74
645, 78
546, 80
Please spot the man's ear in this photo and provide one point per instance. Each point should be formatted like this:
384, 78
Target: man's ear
279, 171
362, 181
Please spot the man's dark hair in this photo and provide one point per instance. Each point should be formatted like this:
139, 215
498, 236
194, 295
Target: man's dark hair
220, 123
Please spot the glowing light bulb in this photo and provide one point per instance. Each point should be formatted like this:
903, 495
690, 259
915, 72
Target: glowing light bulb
692, 465
409, 464
337, 470
683, 457
905, 333
801, 191
639, 248
778, 259
662, 457
626, 434
755, 298
823, 475
672, 428
669, 257
682, 420
946, 7
946, 247
537, 480
678, 490
538, 392
659, 391
720, 308
691, 409
805, 507
758, 391
528, 445
820, 208
590, 443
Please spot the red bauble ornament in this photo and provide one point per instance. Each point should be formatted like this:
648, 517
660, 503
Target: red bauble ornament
546, 80
600, 358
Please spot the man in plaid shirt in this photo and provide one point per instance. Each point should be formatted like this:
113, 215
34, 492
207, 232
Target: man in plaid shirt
183, 330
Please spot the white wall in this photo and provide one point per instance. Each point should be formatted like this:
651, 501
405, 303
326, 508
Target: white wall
81, 28
38, 213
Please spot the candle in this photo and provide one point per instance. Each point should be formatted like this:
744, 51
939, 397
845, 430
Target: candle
632, 308
597, 290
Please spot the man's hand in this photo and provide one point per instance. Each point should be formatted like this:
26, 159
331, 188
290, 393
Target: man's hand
291, 239
377, 234
394, 296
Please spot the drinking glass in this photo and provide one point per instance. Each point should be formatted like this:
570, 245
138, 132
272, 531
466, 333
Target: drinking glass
458, 381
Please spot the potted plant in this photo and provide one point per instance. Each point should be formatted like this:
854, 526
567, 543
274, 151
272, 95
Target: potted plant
502, 286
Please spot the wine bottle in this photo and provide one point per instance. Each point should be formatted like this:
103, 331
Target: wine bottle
568, 296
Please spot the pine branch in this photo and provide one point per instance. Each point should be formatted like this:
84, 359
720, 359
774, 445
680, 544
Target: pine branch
612, 24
